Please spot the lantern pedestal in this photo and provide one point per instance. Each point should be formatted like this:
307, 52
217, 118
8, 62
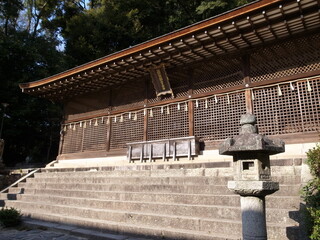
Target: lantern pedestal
253, 206
252, 174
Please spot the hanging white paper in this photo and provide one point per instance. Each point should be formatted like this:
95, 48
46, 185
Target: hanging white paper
279, 91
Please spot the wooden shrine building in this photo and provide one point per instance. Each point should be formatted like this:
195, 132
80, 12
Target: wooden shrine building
262, 58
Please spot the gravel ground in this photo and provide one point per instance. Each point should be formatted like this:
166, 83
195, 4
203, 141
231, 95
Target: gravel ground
35, 234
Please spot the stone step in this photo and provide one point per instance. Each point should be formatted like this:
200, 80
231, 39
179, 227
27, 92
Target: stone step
133, 230
196, 201
163, 200
231, 229
216, 225
203, 199
10, 196
210, 172
273, 201
136, 180
285, 190
288, 190
286, 170
188, 210
191, 189
191, 210
283, 202
287, 179
278, 231
154, 171
192, 180
16, 190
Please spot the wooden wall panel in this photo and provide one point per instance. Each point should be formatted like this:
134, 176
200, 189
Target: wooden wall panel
282, 110
170, 123
126, 131
217, 121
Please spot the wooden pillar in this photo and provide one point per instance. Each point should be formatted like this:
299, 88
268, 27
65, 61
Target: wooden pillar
146, 116
109, 104
247, 81
190, 103
82, 138
61, 140
145, 127
249, 104
108, 142
62, 133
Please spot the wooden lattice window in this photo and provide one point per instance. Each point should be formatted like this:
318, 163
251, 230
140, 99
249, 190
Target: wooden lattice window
126, 130
281, 110
89, 136
170, 123
286, 59
218, 120
72, 141
95, 136
310, 105
214, 75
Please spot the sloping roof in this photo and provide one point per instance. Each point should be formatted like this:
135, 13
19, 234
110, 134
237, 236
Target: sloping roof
244, 28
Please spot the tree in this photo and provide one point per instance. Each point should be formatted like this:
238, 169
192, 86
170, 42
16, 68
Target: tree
25, 57
9, 13
107, 26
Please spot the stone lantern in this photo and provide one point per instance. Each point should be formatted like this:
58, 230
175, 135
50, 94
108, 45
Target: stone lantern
252, 174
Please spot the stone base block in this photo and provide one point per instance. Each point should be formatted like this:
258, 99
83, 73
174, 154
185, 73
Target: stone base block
253, 188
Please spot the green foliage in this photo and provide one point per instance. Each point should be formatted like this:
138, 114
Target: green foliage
311, 194
10, 217
112, 25
314, 161
315, 216
31, 125
210, 5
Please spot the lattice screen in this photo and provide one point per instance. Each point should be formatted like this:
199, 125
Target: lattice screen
129, 130
85, 137
310, 105
293, 111
95, 135
214, 75
172, 124
215, 121
72, 141
286, 59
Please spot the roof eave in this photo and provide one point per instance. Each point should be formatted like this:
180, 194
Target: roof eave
152, 43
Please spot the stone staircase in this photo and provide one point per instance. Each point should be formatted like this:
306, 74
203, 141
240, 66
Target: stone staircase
182, 203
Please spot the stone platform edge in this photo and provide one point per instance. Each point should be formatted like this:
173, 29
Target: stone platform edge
220, 164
